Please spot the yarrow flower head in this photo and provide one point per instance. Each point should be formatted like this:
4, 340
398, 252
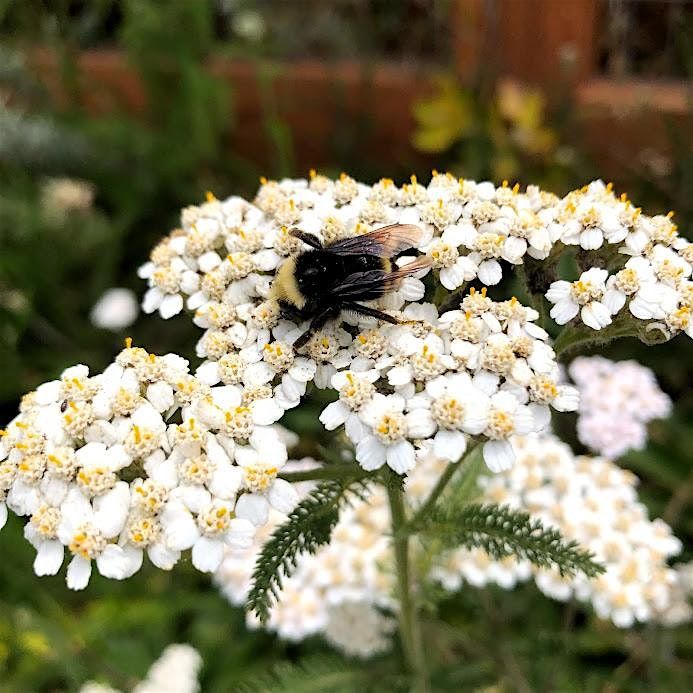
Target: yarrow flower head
423, 362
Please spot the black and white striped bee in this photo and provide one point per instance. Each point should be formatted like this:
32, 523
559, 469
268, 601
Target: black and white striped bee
319, 283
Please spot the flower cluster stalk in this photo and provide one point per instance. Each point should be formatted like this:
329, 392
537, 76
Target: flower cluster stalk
409, 624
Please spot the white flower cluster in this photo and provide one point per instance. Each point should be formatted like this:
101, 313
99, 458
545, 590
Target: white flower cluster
140, 458
654, 283
590, 500
679, 609
617, 400
594, 502
484, 369
176, 671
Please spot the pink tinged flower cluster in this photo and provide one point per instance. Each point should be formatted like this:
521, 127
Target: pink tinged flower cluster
617, 401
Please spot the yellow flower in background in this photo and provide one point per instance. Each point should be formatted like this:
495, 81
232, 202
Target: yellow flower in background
524, 110
35, 643
443, 119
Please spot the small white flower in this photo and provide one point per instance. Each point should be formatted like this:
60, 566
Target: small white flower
385, 441
116, 309
584, 296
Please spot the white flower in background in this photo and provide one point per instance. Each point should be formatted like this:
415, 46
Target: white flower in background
116, 309
358, 629
584, 296
344, 590
176, 671
63, 196
617, 400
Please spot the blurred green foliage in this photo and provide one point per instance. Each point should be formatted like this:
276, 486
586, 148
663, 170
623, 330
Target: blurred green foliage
53, 267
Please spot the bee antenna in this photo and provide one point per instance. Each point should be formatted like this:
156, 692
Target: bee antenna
308, 238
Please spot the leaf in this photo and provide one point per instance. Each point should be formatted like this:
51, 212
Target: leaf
502, 532
308, 527
317, 673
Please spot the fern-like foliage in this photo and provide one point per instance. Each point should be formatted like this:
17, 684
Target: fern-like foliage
308, 527
502, 531
314, 674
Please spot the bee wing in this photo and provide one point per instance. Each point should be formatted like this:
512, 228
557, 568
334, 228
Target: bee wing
385, 242
367, 286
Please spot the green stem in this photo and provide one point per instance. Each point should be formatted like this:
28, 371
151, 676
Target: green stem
424, 510
409, 626
571, 338
330, 471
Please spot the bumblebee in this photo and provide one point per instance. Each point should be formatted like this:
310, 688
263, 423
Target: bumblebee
320, 282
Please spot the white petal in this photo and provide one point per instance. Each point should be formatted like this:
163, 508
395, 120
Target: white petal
3, 515
420, 423
48, 392
399, 375
150, 302
334, 415
355, 428
181, 533
449, 445
259, 373
207, 554
160, 395
208, 373
370, 453
78, 573
303, 370
113, 562
226, 397
595, 315
498, 455
162, 557
171, 305
401, 456
490, 272
558, 291
49, 558
253, 507
111, 510
226, 481
564, 311
282, 496
614, 300
266, 412
591, 239
240, 534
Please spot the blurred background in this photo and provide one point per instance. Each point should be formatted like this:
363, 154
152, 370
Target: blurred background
114, 114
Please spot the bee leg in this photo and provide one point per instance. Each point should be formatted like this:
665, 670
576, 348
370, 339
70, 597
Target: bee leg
372, 312
307, 238
315, 324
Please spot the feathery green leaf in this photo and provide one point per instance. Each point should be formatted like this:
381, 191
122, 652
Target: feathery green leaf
308, 527
502, 531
